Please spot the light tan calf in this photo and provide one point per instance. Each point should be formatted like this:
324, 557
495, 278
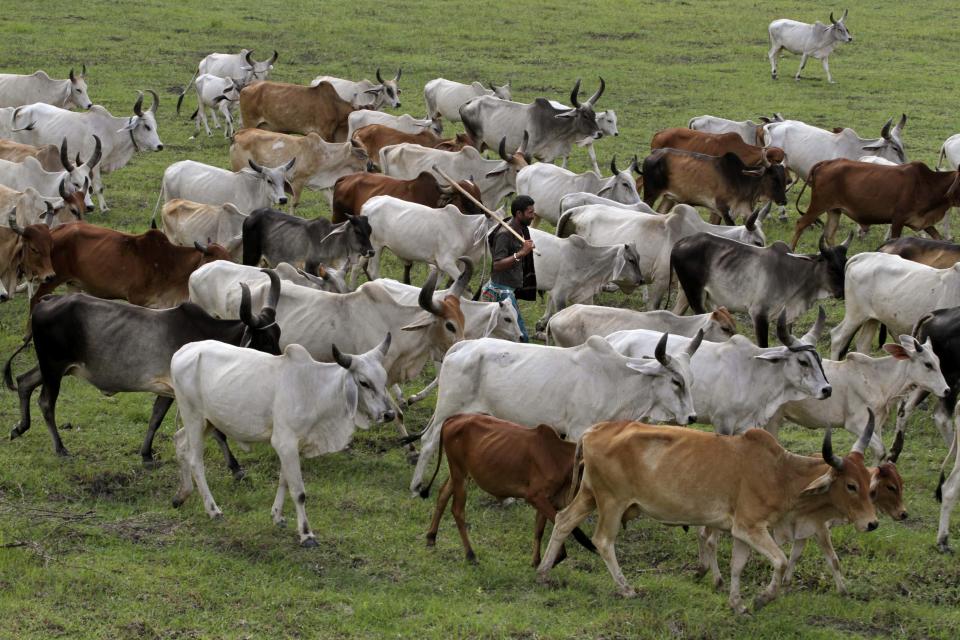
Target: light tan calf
185, 223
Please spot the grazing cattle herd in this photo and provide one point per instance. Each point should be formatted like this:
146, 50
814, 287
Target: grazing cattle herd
250, 317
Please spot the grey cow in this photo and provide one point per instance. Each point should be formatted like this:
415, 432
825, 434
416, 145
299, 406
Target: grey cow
817, 40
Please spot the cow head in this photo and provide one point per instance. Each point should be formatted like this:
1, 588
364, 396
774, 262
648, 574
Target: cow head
626, 268
831, 262
721, 326
355, 236
753, 234
582, 120
668, 382
387, 92
262, 332
275, 179
886, 485
799, 364
365, 387
607, 122
922, 364
502, 92
502, 322
258, 70
79, 174
74, 201
507, 170
142, 125
890, 144
444, 320
211, 252
78, 90
846, 483
839, 29
35, 245
773, 183
621, 187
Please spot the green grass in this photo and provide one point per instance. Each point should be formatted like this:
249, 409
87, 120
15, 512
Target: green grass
102, 554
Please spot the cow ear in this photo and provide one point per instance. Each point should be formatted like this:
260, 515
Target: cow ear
498, 170
896, 351
287, 187
771, 356
566, 114
819, 486
352, 394
422, 321
644, 366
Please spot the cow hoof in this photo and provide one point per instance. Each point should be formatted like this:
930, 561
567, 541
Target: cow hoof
67, 426
178, 502
761, 601
239, 474
15, 432
63, 453
216, 515
412, 457
627, 593
280, 522
309, 543
431, 541
472, 558
944, 547
150, 463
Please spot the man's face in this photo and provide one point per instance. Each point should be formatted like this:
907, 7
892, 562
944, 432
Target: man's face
526, 216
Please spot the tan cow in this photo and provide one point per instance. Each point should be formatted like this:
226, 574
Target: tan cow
293, 108
319, 163
186, 223
377, 136
47, 155
744, 484
24, 252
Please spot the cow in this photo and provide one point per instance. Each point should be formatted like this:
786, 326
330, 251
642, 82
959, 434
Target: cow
290, 400
568, 388
506, 460
279, 237
365, 94
573, 271
938, 254
240, 67
145, 269
319, 164
760, 281
817, 40
24, 253
445, 97
185, 223
19, 90
749, 131
405, 123
547, 184
252, 187
736, 384
61, 182
351, 192
118, 347
805, 145
743, 484
119, 138
950, 151
911, 195
606, 122
375, 137
48, 155
723, 184
496, 179
216, 94
573, 325
33, 208
716, 144
552, 131
415, 233
654, 236
292, 108
579, 199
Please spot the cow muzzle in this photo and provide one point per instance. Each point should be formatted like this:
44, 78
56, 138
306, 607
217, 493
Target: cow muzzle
49, 277
282, 200
692, 419
388, 416
826, 392
871, 526
4, 296
901, 516
370, 253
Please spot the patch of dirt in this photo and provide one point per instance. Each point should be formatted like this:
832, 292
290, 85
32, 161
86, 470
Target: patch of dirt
107, 484
146, 528
852, 626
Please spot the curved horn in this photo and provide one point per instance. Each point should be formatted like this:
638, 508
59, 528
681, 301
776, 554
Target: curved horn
902, 122
846, 243
249, 57
290, 164
138, 105
885, 131
832, 21
396, 78
502, 149
660, 353
593, 99
634, 165
613, 165
917, 346
65, 156
425, 299
379, 77
97, 153
200, 247
385, 345
783, 335
71, 76
574, 93
274, 57
12, 222
844, 16
254, 165
811, 337
897, 448
342, 359
751, 222
62, 189
522, 149
861, 444
460, 286
764, 160
156, 100
83, 70
695, 344
245, 316
273, 298
826, 451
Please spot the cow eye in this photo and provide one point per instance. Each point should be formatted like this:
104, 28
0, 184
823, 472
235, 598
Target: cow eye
508, 320
364, 384
892, 488
147, 127
851, 487
928, 365
804, 363
450, 327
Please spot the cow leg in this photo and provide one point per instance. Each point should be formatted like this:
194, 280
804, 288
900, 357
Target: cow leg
949, 491
796, 552
761, 328
420, 395
772, 55
459, 480
48, 406
202, 115
160, 407
830, 229
407, 266
761, 540
566, 521
548, 312
194, 458
276, 511
942, 415
707, 551
593, 158
442, 498
563, 161
97, 183
896, 228
826, 67
608, 526
803, 63
232, 463
545, 511
842, 334
822, 534
26, 383
181, 447
933, 233
288, 451
539, 525
867, 333
906, 407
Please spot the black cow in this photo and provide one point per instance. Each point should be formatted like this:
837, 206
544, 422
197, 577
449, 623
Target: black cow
279, 237
761, 281
121, 347
723, 184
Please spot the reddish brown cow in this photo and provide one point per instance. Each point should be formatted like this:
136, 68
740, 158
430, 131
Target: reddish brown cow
377, 136
293, 108
145, 270
350, 192
939, 254
507, 461
716, 144
911, 195
24, 253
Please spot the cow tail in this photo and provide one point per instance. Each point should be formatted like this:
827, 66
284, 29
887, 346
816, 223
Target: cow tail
943, 152
153, 218
583, 539
950, 455
425, 491
185, 89
577, 468
881, 335
799, 195
8, 368
252, 240
919, 325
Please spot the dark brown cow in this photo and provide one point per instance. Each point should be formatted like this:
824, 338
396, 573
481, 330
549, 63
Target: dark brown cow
146, 270
716, 144
293, 108
939, 254
906, 195
507, 461
377, 136
24, 253
350, 192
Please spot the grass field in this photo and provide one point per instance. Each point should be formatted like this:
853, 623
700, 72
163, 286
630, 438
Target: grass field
91, 547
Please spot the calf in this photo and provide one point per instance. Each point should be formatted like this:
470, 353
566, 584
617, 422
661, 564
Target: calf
576, 323
216, 94
351, 192
375, 137
186, 223
506, 460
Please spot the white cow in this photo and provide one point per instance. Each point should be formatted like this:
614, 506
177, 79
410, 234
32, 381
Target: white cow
574, 200
606, 121
185, 223
19, 90
805, 145
547, 184
445, 97
948, 490
216, 94
248, 189
569, 389
750, 131
291, 400
736, 384
950, 150
653, 234
404, 123
52, 184
32, 208
817, 40
120, 138
241, 67
576, 323
365, 94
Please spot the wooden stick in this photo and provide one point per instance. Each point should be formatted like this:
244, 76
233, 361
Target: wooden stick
490, 213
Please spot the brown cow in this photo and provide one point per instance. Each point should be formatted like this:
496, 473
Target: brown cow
744, 484
716, 144
24, 253
377, 136
48, 155
293, 108
939, 254
146, 270
351, 192
911, 195
507, 461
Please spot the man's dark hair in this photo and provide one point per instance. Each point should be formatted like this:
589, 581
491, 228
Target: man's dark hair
520, 203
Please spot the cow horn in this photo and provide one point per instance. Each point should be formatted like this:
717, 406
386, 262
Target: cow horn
83, 70
846, 243
896, 449
751, 222
917, 346
763, 158
342, 359
254, 165
813, 335
249, 57
379, 77
460, 286
832, 21
826, 451
50, 214
660, 353
502, 149
200, 247
290, 164
65, 156
613, 165
73, 79
63, 189
574, 93
97, 153
522, 149
844, 16
902, 123
425, 300
273, 298
396, 78
634, 165
695, 344
245, 316
385, 345
156, 100
12, 222
783, 335
138, 105
861, 444
885, 131
274, 57
593, 99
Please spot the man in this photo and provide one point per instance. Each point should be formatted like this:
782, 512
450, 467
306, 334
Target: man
513, 274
